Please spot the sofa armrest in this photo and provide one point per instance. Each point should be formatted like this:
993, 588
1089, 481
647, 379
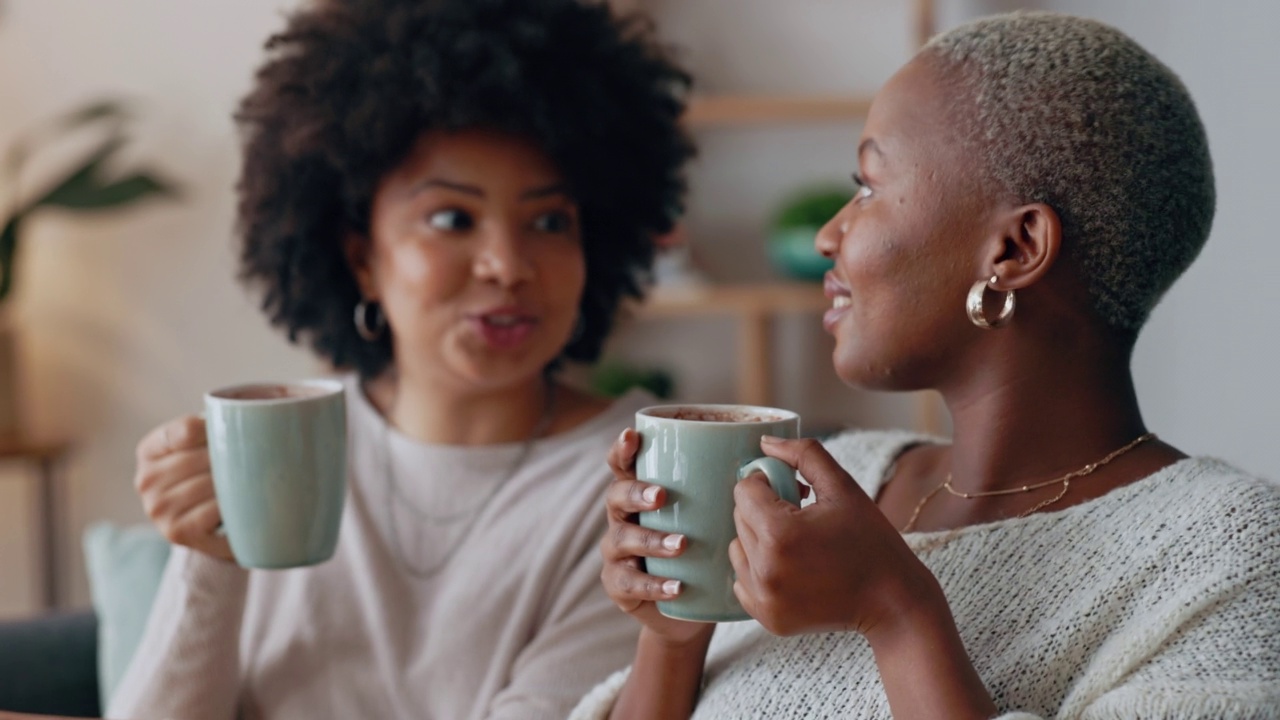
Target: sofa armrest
49, 665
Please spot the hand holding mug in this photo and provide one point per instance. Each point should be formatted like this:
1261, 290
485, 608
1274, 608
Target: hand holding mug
175, 485
836, 565
626, 545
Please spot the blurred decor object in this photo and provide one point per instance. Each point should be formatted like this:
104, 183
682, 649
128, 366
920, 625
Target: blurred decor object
612, 378
86, 185
795, 225
673, 262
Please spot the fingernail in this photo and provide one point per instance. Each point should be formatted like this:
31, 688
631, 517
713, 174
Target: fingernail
623, 436
673, 542
671, 587
651, 493
770, 439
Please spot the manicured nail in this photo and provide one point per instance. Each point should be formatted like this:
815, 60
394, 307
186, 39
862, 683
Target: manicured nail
673, 542
770, 439
671, 587
651, 494
623, 436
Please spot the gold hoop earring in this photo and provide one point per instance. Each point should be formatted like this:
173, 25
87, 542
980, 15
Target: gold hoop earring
973, 305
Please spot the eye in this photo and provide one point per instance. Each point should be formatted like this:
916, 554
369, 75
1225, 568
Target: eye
863, 190
558, 221
451, 220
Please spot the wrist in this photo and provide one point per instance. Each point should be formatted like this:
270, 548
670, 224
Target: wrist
923, 664
695, 644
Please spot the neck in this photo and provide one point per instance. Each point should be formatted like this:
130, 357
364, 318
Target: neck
1033, 416
433, 410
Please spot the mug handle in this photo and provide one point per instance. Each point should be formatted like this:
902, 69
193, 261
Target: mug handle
782, 478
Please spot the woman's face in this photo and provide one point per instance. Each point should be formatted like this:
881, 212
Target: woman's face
906, 248
476, 258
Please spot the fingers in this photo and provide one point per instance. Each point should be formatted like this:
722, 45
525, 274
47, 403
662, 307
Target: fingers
630, 587
813, 462
628, 540
178, 499
184, 433
196, 528
755, 499
156, 474
625, 498
622, 455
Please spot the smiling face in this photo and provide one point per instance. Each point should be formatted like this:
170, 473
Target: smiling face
909, 245
476, 259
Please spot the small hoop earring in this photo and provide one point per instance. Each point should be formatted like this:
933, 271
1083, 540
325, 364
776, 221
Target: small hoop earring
973, 305
370, 322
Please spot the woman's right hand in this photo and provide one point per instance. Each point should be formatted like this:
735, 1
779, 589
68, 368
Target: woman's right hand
626, 544
176, 486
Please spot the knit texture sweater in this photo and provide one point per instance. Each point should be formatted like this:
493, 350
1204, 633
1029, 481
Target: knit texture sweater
514, 625
1160, 599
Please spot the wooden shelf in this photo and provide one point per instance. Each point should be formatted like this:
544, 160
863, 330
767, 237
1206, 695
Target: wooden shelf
753, 308
702, 300
767, 109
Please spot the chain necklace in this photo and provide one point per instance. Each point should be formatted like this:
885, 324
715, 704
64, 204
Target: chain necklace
1065, 480
394, 494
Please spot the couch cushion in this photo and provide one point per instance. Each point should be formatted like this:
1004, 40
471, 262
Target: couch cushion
124, 565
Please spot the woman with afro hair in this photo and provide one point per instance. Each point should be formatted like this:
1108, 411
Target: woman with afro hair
448, 199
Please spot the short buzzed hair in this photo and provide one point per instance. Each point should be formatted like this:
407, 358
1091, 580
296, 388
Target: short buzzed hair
1073, 113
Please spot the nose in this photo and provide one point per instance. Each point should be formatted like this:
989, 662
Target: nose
827, 242
501, 258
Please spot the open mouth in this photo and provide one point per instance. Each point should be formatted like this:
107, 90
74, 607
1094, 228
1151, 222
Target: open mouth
504, 329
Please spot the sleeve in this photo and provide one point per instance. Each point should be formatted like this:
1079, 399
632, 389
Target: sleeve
187, 666
585, 638
597, 704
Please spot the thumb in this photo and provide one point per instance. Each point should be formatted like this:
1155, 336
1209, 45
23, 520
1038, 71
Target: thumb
829, 480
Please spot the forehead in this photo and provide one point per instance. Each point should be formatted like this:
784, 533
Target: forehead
476, 154
915, 116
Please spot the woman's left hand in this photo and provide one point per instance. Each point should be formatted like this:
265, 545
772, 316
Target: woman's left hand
835, 565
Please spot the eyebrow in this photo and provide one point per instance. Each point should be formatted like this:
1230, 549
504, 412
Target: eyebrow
534, 194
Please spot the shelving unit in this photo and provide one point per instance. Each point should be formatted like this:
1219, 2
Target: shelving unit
753, 308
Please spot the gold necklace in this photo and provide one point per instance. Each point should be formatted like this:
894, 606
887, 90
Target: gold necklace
1065, 480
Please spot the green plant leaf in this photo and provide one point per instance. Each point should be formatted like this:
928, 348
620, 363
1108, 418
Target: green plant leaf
8, 251
102, 109
811, 208
93, 196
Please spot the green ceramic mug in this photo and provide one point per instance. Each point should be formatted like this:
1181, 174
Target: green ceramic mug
699, 453
278, 453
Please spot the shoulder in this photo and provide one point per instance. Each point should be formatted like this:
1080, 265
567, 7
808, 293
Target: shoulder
1200, 519
868, 455
1210, 494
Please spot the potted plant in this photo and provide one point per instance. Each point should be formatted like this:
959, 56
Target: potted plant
85, 186
795, 225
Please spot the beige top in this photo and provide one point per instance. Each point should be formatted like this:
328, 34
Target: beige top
516, 625
1160, 599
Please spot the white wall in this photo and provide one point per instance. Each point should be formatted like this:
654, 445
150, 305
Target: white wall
126, 319
1206, 363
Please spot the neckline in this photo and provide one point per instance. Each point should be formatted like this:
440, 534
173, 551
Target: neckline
937, 538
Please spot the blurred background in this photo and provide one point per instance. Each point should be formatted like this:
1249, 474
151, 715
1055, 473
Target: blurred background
120, 316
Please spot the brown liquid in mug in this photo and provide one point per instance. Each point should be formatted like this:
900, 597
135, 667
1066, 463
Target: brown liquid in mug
273, 392
729, 416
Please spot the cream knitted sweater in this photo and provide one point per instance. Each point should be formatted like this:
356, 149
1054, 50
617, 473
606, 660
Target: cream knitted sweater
1160, 599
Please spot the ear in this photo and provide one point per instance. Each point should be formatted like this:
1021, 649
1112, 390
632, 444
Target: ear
357, 249
1027, 243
